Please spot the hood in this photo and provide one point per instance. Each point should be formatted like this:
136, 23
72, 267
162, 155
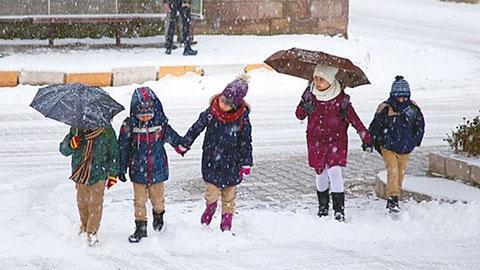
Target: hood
144, 100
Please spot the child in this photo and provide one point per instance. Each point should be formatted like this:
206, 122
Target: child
141, 139
329, 113
94, 164
227, 149
397, 128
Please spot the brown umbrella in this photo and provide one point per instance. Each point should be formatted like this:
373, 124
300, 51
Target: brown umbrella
301, 63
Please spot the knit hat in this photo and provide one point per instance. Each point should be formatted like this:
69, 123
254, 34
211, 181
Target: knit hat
325, 72
236, 91
400, 88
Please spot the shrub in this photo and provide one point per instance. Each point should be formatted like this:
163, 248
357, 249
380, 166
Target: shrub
466, 137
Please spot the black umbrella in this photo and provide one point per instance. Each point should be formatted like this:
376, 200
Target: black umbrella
77, 105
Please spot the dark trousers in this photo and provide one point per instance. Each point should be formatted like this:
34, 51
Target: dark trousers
177, 11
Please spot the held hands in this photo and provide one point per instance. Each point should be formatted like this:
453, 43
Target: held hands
367, 147
122, 177
181, 150
75, 142
245, 171
112, 180
167, 8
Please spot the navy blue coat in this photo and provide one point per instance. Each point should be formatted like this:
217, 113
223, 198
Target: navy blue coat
142, 144
399, 132
226, 147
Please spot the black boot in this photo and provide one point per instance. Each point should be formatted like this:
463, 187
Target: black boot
174, 47
140, 232
168, 50
189, 51
323, 200
392, 204
158, 221
338, 199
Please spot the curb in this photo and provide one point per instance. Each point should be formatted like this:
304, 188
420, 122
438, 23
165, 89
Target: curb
453, 168
117, 76
380, 189
8, 78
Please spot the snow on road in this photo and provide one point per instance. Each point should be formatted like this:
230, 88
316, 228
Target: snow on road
431, 43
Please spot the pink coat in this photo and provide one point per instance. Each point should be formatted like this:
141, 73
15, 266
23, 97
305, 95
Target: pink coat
327, 138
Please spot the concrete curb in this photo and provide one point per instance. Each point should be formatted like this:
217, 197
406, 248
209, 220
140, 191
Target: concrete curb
8, 78
40, 77
119, 76
99, 79
381, 192
453, 168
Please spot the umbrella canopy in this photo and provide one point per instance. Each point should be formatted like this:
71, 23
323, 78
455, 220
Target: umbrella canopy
301, 63
77, 105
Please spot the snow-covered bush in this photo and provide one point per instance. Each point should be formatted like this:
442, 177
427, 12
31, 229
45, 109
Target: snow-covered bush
466, 137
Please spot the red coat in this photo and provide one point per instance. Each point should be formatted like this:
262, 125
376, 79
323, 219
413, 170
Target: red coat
327, 138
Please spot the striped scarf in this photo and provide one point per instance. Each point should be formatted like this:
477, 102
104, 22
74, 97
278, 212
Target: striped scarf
83, 171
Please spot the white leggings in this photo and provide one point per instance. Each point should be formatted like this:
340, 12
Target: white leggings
332, 176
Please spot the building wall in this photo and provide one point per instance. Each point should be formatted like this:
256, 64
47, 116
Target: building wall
263, 17
274, 17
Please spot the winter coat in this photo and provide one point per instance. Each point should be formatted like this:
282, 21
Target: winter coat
105, 154
142, 143
327, 139
400, 131
226, 147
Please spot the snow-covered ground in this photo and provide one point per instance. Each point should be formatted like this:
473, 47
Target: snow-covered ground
434, 44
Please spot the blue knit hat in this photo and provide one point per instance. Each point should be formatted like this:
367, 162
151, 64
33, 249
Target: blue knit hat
400, 88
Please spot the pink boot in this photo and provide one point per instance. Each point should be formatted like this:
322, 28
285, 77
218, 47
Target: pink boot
226, 224
208, 213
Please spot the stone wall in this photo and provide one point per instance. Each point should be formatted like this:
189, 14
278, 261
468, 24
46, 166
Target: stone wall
262, 17
274, 17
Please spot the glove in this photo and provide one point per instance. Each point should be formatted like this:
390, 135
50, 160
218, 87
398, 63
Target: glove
245, 171
180, 150
307, 95
112, 180
367, 147
122, 177
75, 142
308, 107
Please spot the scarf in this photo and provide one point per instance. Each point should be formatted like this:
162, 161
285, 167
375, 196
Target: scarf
332, 92
226, 117
83, 171
397, 106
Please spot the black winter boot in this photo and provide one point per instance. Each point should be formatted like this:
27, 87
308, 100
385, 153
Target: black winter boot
323, 200
168, 50
189, 51
158, 221
392, 204
338, 199
140, 232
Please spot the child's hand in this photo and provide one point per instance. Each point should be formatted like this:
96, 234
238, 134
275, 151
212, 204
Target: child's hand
122, 177
75, 142
180, 150
112, 180
308, 107
245, 171
367, 148
307, 96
